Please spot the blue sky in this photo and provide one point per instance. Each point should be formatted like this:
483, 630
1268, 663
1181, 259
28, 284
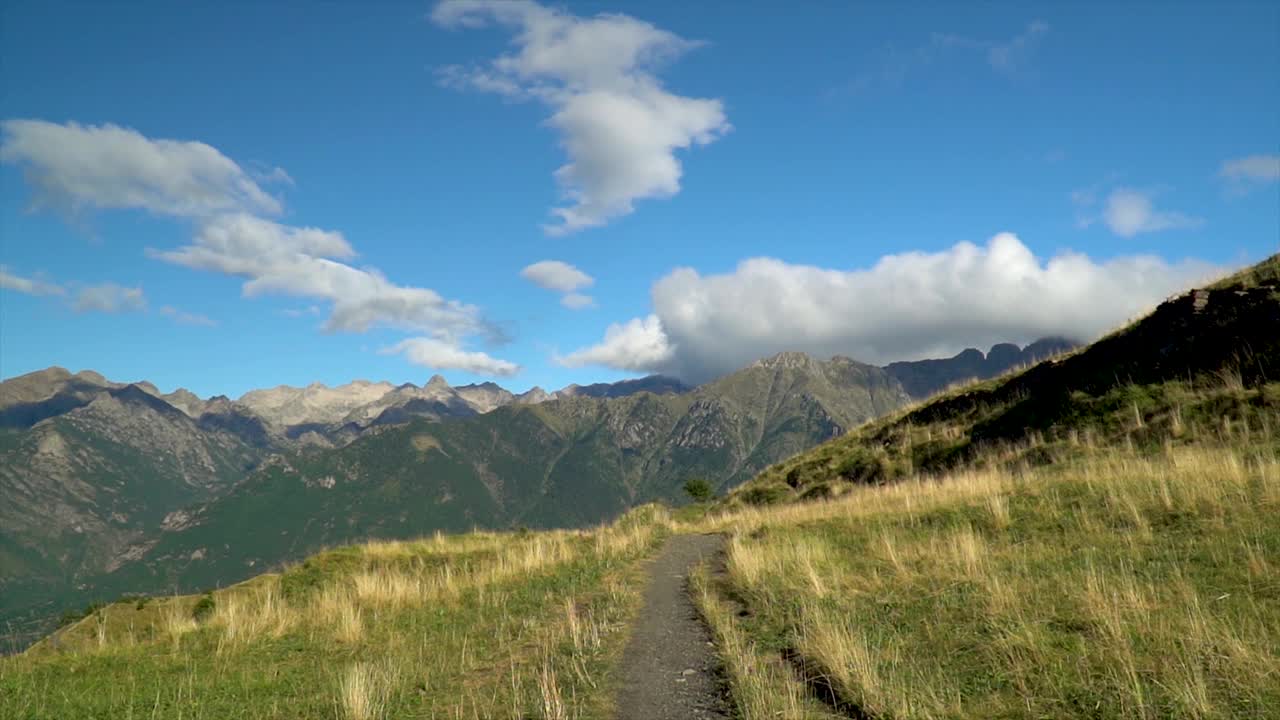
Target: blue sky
225, 196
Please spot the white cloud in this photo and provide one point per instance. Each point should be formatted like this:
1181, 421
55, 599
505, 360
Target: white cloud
1007, 57
577, 301
563, 278
185, 318
618, 125
556, 275
639, 345
907, 306
28, 286
1254, 168
433, 353
304, 262
105, 297
897, 65
1129, 212
109, 298
71, 167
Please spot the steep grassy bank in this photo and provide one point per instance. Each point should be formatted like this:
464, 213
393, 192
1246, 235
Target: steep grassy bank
472, 626
1118, 586
1092, 537
1203, 365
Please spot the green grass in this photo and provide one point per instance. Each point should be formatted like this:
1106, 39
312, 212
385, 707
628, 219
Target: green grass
1121, 586
1095, 537
513, 625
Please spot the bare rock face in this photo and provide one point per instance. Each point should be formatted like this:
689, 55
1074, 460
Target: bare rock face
788, 361
27, 399
186, 401
485, 397
315, 403
533, 396
704, 427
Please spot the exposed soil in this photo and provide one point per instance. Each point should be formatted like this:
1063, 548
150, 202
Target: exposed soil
669, 670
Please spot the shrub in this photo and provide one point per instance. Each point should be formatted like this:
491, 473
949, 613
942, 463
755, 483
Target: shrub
864, 466
698, 489
764, 494
204, 607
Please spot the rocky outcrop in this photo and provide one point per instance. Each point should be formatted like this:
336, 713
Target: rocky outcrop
923, 378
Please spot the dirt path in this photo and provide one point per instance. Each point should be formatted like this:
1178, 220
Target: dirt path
669, 669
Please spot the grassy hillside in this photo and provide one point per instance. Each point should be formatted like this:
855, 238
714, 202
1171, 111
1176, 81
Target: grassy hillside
1203, 364
80, 491
478, 625
567, 463
1118, 586
1093, 537
572, 462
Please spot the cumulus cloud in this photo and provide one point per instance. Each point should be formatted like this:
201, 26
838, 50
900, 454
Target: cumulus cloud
434, 353
557, 275
71, 167
27, 285
907, 306
1250, 171
185, 318
1129, 212
639, 345
305, 262
619, 126
563, 278
109, 298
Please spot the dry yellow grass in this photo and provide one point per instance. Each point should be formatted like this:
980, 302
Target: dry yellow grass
253, 613
363, 691
1144, 582
762, 686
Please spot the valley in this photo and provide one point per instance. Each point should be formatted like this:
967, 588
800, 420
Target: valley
112, 488
1106, 551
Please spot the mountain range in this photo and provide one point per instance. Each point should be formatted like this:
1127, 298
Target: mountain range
108, 487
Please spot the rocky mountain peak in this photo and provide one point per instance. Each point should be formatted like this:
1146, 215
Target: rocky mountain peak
92, 377
533, 396
49, 374
437, 382
789, 360
923, 378
183, 398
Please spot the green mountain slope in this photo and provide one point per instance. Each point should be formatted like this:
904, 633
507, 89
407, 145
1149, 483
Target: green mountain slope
1206, 361
571, 462
568, 462
85, 491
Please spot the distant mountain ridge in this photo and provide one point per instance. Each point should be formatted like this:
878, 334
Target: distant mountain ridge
114, 487
923, 378
1202, 366
27, 399
117, 486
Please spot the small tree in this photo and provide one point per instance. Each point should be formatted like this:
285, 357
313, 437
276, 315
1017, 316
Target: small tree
699, 489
